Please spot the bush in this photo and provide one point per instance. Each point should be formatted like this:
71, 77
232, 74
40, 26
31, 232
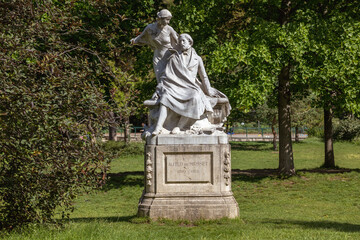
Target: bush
356, 140
50, 115
316, 132
115, 149
347, 129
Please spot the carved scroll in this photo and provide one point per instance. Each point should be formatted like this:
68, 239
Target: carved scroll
227, 168
149, 169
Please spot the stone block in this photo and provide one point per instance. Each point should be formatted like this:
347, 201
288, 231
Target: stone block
188, 177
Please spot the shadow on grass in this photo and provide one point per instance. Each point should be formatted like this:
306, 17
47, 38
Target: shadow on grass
243, 178
255, 175
275, 172
252, 146
130, 179
136, 179
252, 175
337, 226
107, 219
330, 170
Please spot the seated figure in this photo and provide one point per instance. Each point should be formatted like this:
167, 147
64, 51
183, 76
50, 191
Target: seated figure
185, 103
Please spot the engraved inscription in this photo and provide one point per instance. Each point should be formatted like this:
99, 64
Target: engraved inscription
192, 168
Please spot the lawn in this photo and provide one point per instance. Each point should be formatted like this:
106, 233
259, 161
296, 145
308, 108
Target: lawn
313, 205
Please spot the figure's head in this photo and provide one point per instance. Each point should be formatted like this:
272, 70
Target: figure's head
185, 41
163, 17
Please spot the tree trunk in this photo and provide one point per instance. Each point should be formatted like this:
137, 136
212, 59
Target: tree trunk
112, 133
297, 139
286, 160
274, 133
112, 127
328, 134
126, 131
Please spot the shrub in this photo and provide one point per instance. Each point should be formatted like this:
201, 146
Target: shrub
50, 114
347, 129
115, 149
316, 132
357, 140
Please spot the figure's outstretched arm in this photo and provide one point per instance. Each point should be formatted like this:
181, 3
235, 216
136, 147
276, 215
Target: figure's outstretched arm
141, 39
174, 38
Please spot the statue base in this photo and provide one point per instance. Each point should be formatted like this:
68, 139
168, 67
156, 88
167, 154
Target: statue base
188, 177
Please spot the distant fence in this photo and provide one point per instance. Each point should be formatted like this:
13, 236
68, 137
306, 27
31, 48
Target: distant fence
135, 133
260, 133
235, 133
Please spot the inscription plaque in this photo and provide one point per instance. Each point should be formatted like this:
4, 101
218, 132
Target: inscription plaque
188, 167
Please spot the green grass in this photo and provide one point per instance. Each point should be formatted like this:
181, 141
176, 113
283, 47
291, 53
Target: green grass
307, 206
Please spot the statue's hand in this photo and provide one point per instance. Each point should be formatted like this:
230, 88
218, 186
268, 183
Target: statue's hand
212, 92
132, 41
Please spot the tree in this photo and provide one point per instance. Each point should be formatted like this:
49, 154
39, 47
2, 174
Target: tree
124, 94
256, 58
51, 113
332, 64
304, 114
267, 113
285, 45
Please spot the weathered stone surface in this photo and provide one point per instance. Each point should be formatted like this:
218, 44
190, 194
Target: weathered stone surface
188, 179
181, 139
188, 167
189, 207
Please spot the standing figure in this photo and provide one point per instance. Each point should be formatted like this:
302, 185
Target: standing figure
160, 37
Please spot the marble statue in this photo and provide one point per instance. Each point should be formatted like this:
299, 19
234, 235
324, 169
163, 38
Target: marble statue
185, 102
182, 103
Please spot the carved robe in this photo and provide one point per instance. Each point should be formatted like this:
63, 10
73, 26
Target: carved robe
180, 91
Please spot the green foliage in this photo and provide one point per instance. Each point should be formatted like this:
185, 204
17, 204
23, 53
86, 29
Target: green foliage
331, 63
347, 129
50, 114
254, 41
246, 43
316, 131
104, 29
303, 113
238, 62
117, 149
123, 93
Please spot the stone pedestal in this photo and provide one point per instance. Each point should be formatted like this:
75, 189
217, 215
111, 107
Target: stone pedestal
188, 177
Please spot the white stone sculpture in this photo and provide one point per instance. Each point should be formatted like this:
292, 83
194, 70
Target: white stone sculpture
182, 103
185, 102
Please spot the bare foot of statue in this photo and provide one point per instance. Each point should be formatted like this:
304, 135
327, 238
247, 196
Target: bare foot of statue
156, 131
145, 134
176, 130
